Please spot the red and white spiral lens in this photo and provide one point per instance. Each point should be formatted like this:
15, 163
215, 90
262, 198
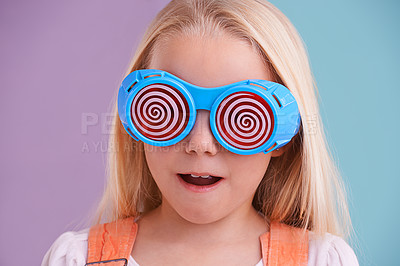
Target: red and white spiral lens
244, 120
160, 112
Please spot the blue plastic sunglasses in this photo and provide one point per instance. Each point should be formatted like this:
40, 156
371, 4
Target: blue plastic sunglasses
246, 117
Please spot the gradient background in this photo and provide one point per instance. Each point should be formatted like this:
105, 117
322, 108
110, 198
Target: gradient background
61, 60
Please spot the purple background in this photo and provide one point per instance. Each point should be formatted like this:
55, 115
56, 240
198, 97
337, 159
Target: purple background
61, 60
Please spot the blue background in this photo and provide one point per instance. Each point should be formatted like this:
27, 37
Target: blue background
353, 48
61, 61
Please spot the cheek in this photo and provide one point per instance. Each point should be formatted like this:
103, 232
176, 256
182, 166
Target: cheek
250, 169
157, 158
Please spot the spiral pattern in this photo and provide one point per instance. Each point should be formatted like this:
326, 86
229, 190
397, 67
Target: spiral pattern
160, 112
244, 120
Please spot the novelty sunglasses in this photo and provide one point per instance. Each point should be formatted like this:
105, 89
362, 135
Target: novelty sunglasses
246, 117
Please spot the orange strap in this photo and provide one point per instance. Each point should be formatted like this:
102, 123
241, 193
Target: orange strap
111, 244
284, 245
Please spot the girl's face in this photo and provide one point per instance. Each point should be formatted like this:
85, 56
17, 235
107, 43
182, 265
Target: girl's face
207, 62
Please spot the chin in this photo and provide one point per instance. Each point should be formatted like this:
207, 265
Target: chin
198, 216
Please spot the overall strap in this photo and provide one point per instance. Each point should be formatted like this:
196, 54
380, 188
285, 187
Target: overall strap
111, 244
284, 245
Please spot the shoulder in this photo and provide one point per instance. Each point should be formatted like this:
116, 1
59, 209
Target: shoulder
70, 248
330, 250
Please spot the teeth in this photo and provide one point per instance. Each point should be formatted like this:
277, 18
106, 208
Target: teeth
202, 176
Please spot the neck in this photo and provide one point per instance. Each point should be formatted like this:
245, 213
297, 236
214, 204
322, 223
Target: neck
242, 223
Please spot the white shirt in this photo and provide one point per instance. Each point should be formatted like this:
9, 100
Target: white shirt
70, 249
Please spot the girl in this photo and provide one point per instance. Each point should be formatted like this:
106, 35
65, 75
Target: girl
205, 189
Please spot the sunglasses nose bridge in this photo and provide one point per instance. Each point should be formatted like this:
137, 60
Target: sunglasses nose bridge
204, 98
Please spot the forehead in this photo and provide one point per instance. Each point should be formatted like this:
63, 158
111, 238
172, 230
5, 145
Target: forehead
209, 62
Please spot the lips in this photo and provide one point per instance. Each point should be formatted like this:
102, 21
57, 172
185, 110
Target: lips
200, 180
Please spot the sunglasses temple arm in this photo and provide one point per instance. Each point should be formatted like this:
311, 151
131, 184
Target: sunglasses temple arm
277, 145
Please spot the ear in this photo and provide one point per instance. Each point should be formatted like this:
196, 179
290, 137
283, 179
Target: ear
279, 152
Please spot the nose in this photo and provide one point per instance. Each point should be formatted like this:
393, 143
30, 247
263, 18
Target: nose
200, 140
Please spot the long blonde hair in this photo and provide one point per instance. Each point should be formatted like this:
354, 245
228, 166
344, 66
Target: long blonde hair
303, 187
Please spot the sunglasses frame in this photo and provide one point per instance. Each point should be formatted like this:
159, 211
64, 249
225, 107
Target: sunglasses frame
284, 107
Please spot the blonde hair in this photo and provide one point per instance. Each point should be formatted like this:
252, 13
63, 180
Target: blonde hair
303, 187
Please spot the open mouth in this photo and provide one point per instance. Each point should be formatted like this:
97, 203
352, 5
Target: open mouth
200, 180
